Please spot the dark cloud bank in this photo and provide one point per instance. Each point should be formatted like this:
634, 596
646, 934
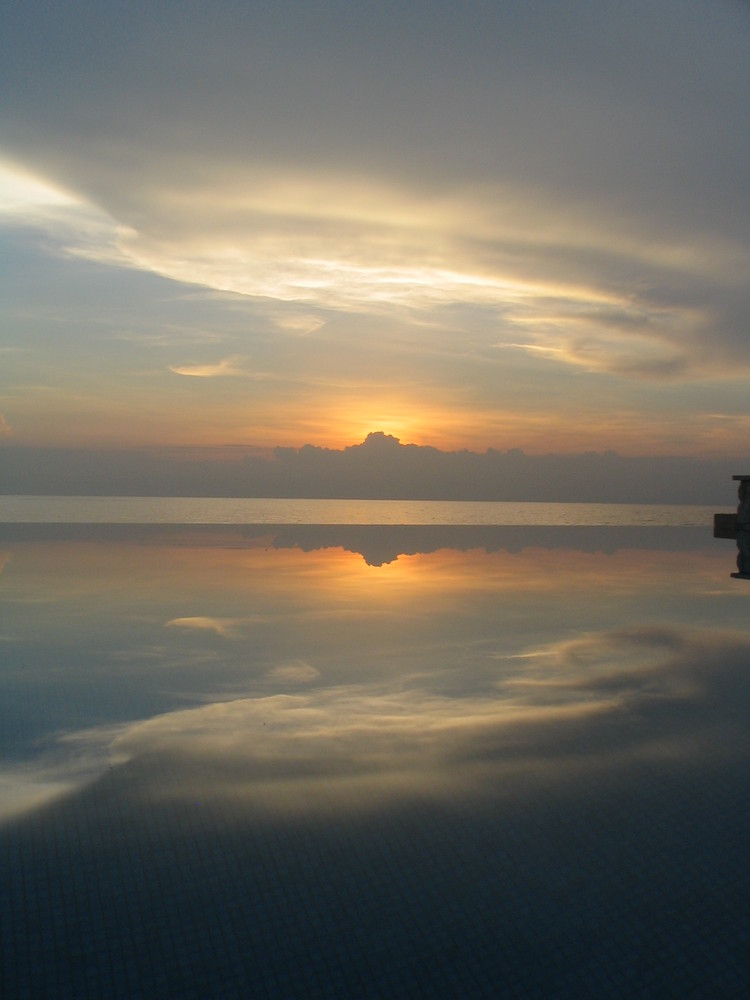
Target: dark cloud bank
379, 468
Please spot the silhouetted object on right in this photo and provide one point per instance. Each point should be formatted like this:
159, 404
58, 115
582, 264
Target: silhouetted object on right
737, 526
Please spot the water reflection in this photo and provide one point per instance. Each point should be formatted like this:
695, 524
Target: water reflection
494, 735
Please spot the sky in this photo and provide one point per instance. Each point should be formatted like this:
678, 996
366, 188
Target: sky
506, 225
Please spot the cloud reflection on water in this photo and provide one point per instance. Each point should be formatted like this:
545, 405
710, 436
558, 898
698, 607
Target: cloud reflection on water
602, 701
312, 679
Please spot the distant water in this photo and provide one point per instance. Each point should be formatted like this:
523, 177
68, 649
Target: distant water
210, 510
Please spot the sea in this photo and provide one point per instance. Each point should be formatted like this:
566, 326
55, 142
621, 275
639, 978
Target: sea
202, 510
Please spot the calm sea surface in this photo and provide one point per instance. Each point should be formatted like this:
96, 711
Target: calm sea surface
202, 510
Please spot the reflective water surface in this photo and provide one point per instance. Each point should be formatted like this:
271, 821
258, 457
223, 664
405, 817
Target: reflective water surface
334, 761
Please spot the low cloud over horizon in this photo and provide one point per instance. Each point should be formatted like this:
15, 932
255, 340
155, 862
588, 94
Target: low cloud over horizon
380, 467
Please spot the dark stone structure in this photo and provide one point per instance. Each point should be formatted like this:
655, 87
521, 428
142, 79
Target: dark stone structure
737, 526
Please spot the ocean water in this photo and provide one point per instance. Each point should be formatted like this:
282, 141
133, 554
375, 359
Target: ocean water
203, 510
293, 749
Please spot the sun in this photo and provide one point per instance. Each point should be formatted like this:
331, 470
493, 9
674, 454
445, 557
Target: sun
410, 421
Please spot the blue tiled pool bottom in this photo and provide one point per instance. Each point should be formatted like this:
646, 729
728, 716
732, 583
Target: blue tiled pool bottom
637, 886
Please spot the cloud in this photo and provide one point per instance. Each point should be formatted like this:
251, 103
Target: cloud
73, 225
301, 324
380, 468
23, 195
589, 294
609, 305
5, 428
227, 366
225, 627
296, 672
600, 214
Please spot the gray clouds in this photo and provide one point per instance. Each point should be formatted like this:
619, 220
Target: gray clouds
381, 467
586, 95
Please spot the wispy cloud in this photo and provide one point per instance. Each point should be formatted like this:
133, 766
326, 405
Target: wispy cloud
300, 324
578, 291
296, 672
24, 195
225, 367
228, 628
75, 226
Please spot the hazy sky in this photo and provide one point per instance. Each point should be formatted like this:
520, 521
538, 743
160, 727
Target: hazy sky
510, 224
